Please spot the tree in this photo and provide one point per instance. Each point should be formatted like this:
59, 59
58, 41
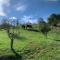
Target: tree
17, 27
41, 23
45, 29
5, 24
54, 19
43, 26
10, 27
12, 35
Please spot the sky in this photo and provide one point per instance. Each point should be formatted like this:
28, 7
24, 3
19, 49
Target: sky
28, 10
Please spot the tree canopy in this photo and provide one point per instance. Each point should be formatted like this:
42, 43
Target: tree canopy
54, 19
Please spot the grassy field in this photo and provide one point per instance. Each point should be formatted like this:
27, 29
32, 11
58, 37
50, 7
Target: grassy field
31, 46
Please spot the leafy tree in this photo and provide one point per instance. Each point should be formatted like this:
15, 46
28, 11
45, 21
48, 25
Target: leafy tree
45, 29
41, 23
54, 19
43, 26
5, 24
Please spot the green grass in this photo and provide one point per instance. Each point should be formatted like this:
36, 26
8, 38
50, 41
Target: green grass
32, 45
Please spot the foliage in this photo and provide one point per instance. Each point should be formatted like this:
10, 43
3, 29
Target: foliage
46, 28
54, 19
5, 24
43, 26
41, 23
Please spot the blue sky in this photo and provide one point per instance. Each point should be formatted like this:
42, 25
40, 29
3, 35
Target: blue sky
28, 10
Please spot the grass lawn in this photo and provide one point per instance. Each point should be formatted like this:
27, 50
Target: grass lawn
31, 45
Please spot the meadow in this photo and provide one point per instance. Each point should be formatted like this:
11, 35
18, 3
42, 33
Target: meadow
31, 45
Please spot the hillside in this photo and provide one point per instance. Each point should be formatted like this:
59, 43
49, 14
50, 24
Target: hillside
31, 45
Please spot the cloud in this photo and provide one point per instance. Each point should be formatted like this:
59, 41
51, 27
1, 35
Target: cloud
20, 7
3, 4
12, 18
26, 19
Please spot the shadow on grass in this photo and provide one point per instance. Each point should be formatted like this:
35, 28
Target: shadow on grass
54, 39
0, 43
20, 38
15, 36
11, 57
33, 30
17, 56
57, 40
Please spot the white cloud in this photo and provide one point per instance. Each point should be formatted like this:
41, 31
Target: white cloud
20, 7
12, 18
26, 19
3, 4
